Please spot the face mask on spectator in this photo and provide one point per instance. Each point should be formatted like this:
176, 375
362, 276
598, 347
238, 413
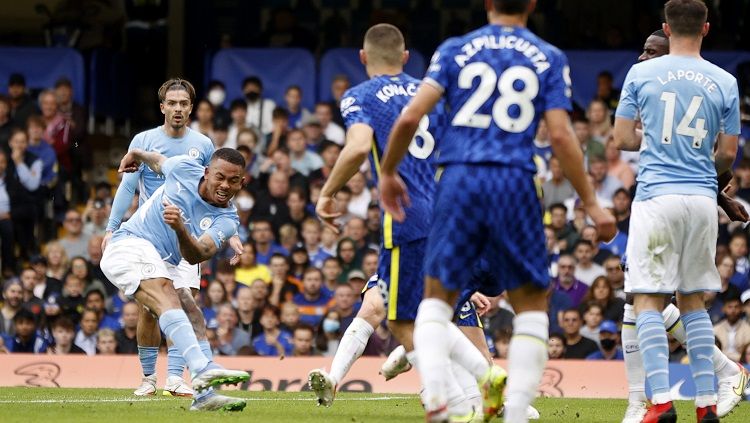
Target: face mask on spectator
331, 326
608, 344
245, 203
217, 96
252, 96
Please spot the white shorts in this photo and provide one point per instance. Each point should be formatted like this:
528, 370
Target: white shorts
672, 245
128, 261
187, 275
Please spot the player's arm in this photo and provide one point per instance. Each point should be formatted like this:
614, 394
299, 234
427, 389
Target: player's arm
627, 136
193, 250
392, 189
133, 159
358, 144
726, 152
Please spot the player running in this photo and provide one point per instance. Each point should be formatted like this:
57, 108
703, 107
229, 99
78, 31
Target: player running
687, 107
173, 138
498, 82
189, 216
731, 375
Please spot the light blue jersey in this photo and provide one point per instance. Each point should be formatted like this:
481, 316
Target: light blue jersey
684, 103
182, 177
193, 144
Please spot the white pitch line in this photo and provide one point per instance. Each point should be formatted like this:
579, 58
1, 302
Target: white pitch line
103, 400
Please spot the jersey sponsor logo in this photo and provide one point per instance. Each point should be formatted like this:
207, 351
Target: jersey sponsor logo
205, 223
194, 153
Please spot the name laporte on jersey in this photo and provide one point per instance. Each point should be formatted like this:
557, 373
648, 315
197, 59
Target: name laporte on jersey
495, 42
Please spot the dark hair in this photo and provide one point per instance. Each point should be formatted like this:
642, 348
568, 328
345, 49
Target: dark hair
573, 310
94, 292
176, 84
279, 112
558, 206
511, 7
293, 87
370, 252
685, 17
63, 82
385, 44
325, 145
237, 103
244, 149
252, 80
272, 309
230, 155
558, 336
89, 310
223, 266
311, 269
583, 242
24, 314
660, 33
605, 74
63, 322
279, 255
303, 326
580, 119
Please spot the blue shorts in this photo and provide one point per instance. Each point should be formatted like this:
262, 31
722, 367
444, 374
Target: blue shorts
492, 212
466, 312
400, 278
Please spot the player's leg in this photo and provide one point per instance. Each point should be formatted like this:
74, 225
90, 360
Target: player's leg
352, 344
148, 336
634, 372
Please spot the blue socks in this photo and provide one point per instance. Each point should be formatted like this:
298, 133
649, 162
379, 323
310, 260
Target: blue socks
147, 356
700, 347
655, 351
175, 324
175, 362
206, 349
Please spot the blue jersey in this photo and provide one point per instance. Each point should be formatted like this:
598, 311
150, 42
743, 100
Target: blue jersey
378, 103
684, 103
193, 144
182, 178
497, 82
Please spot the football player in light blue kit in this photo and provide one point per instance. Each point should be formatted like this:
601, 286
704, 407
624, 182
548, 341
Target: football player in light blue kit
689, 108
173, 138
189, 216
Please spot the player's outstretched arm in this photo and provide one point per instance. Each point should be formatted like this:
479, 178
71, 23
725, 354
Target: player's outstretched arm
393, 194
566, 149
627, 136
358, 144
133, 159
193, 250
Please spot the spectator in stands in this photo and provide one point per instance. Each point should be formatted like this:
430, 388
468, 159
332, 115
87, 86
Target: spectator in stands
273, 341
231, 339
600, 251
248, 312
738, 249
605, 90
677, 352
381, 343
259, 109
22, 178
280, 132
75, 241
346, 253
30, 302
565, 232
356, 230
314, 136
733, 332
79, 267
557, 189
27, 338
86, 336
7, 249
590, 147
73, 112
329, 240
6, 124
605, 185
566, 282
283, 286
289, 236
45, 285
725, 265
599, 121
576, 346
331, 273
339, 85
601, 293
296, 202
311, 228
21, 104
501, 343
58, 133
249, 270
621, 208
220, 135
126, 336
370, 263
12, 300
356, 278
556, 346
289, 316
225, 274
293, 100
608, 340
615, 276
303, 160
592, 318
346, 304
95, 217
204, 118
361, 197
41, 148
270, 203
95, 301
586, 269
299, 261
313, 301
238, 113
106, 342
217, 95
329, 153
214, 296
56, 260
265, 246
63, 332
616, 167
331, 130
302, 341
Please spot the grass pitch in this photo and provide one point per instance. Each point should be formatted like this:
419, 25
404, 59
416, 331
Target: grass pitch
43, 405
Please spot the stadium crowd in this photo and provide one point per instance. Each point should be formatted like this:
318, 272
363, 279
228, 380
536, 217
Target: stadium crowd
296, 288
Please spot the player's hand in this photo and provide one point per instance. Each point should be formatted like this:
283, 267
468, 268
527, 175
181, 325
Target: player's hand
327, 212
105, 240
172, 215
394, 196
481, 303
129, 162
236, 245
734, 210
604, 221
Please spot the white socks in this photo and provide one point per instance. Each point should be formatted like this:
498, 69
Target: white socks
464, 353
633, 361
431, 347
352, 345
468, 385
527, 356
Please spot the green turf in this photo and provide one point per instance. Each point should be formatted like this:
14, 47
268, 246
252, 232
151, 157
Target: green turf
43, 405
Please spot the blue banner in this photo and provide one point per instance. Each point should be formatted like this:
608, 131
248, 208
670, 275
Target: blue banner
43, 66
